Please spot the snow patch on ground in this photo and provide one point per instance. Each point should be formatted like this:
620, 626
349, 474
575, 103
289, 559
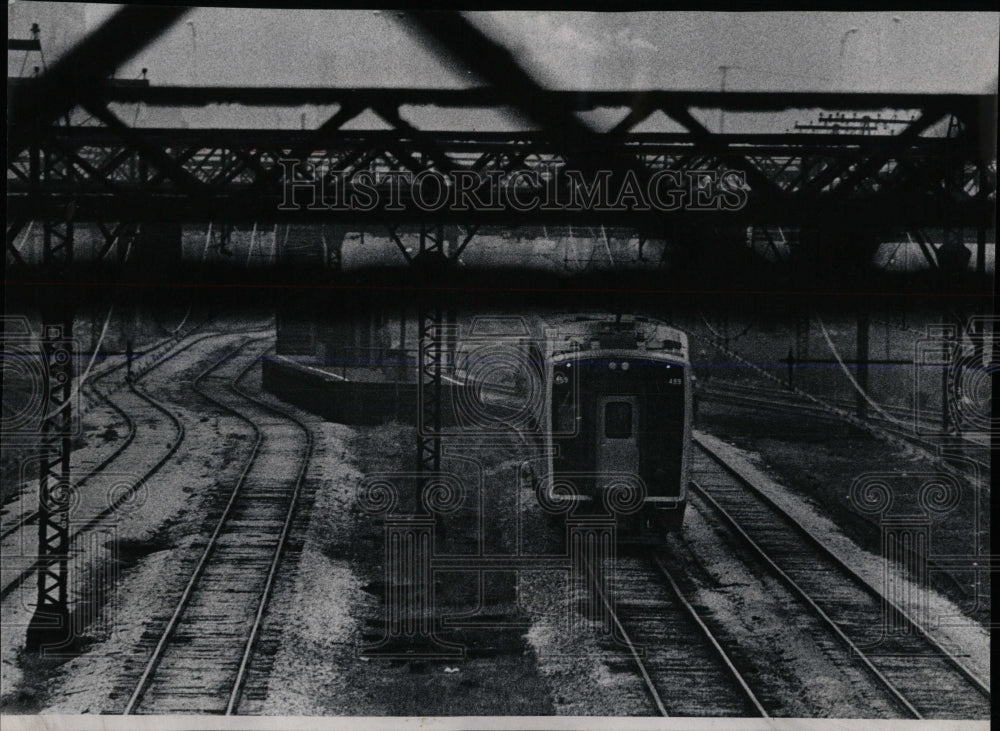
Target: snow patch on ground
571, 654
784, 646
318, 611
954, 630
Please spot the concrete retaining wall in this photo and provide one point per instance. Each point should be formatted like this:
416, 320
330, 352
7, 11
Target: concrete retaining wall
343, 402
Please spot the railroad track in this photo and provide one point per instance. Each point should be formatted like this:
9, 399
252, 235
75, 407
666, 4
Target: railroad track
783, 399
955, 449
684, 669
152, 359
202, 656
778, 403
147, 361
922, 677
24, 567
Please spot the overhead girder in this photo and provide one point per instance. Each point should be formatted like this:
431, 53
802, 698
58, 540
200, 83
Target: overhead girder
890, 206
118, 173
79, 77
230, 175
866, 167
148, 171
451, 34
892, 202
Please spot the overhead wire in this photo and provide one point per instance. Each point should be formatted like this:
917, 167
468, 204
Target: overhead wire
97, 347
607, 245
850, 377
719, 336
24, 62
253, 242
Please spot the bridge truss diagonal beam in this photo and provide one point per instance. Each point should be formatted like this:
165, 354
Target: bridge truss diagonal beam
455, 36
79, 76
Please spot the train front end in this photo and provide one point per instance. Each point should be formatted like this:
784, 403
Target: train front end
620, 423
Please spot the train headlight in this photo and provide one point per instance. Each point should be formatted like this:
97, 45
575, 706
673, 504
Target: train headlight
625, 366
612, 365
561, 379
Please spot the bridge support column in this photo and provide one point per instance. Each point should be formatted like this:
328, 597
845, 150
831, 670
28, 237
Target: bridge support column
50, 627
409, 593
430, 318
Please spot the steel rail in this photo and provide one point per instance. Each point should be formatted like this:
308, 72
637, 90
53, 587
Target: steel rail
92, 386
780, 403
801, 593
181, 605
959, 462
32, 515
650, 688
234, 696
899, 414
282, 539
794, 410
692, 612
113, 508
860, 581
876, 429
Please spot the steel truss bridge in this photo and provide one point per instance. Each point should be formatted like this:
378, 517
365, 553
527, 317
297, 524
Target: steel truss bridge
936, 170
114, 172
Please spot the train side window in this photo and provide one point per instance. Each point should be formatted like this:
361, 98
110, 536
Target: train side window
618, 420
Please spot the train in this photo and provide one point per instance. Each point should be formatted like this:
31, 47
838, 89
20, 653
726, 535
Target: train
606, 400
617, 421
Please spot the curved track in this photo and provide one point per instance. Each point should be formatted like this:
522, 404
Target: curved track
759, 398
136, 482
157, 355
923, 678
202, 656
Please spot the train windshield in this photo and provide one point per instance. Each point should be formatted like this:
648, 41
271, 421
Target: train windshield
618, 420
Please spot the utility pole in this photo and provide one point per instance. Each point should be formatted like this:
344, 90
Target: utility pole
790, 362
864, 324
724, 70
843, 48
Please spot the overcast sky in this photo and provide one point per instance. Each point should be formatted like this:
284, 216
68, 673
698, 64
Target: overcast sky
888, 51
930, 52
